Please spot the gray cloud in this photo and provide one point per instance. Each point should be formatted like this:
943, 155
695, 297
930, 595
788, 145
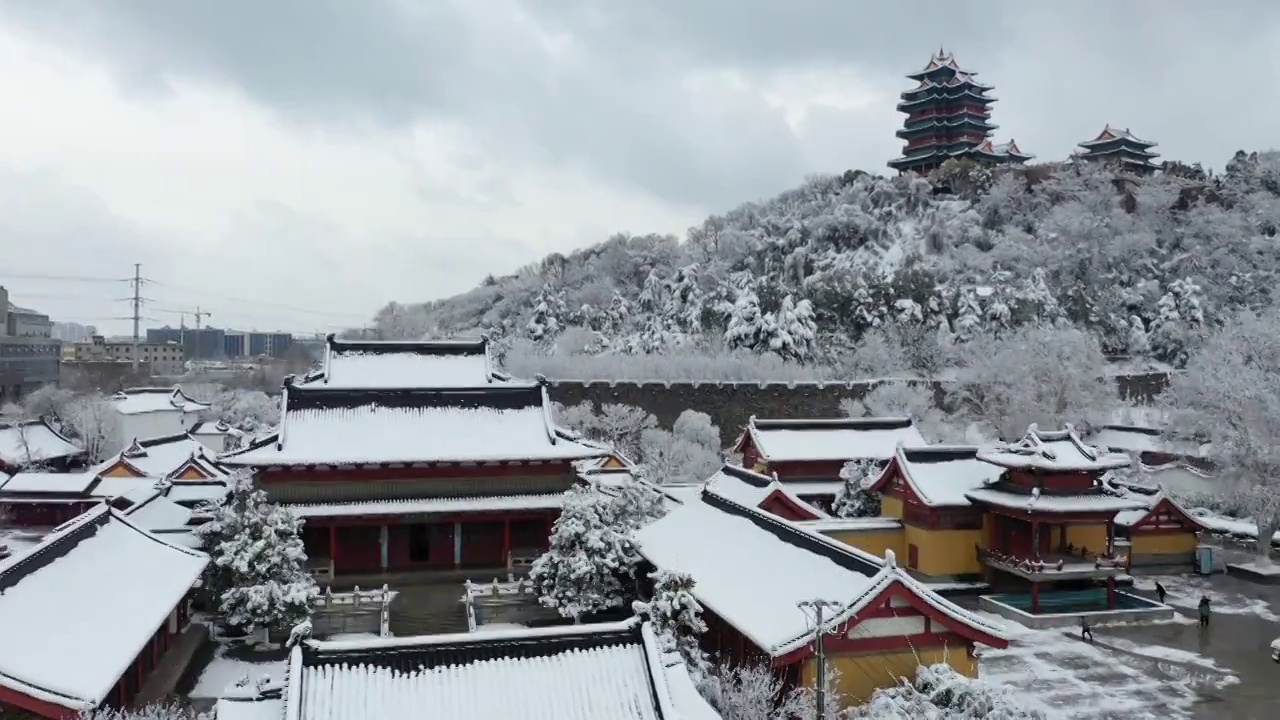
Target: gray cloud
614, 103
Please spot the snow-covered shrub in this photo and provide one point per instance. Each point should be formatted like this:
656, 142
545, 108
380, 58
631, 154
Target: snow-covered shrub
591, 560
619, 426
854, 500
252, 411
257, 572
92, 421
941, 693
155, 711
677, 619
689, 453
753, 692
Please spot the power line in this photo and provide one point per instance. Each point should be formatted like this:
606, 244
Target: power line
242, 299
70, 278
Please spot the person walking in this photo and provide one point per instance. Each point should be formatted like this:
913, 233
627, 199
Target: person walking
1204, 611
1160, 592
1086, 632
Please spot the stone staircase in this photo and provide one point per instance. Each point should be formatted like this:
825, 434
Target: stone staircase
430, 609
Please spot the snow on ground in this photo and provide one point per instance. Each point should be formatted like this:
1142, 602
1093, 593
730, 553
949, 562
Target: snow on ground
1114, 678
346, 637
223, 672
1186, 591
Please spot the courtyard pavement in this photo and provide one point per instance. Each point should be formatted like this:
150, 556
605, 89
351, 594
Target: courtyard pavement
1170, 670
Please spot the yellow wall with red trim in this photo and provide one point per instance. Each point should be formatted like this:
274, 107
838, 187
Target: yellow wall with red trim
119, 470
873, 541
1163, 543
861, 674
944, 552
1091, 537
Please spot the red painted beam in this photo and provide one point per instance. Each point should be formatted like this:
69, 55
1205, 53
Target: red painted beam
43, 708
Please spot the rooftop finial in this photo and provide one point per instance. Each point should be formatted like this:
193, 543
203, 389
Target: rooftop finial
890, 558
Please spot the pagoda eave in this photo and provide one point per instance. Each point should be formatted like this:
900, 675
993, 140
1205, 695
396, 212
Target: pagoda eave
944, 99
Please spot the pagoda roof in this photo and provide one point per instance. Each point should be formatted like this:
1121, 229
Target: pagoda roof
1053, 451
939, 475
1002, 150
752, 489
940, 61
947, 122
829, 439
1113, 135
752, 569
943, 96
76, 609
617, 671
163, 457
383, 364
497, 423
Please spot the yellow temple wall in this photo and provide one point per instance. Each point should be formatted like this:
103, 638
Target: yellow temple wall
862, 674
1092, 537
890, 507
944, 552
1163, 543
873, 541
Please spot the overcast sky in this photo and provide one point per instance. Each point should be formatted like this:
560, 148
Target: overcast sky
296, 164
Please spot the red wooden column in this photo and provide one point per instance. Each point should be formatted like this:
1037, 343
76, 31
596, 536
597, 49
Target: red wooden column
1111, 534
506, 542
1111, 593
333, 550
1035, 598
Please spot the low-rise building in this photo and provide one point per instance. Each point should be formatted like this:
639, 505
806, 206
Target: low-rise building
807, 453
158, 358
88, 613
752, 570
31, 444
152, 412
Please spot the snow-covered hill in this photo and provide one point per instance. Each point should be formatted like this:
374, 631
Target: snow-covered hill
1141, 263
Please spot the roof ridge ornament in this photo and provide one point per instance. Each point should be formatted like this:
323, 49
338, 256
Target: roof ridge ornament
135, 450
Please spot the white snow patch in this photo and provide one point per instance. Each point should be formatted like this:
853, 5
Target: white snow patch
1185, 592
224, 672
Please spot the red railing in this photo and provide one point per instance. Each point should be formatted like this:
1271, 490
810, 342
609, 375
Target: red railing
1038, 565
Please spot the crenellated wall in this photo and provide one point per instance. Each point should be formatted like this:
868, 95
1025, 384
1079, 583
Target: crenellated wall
730, 403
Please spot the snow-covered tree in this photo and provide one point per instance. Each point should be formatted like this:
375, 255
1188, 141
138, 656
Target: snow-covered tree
792, 331
908, 399
687, 301
251, 411
968, 322
1230, 396
690, 453
589, 565
544, 324
754, 692
94, 423
938, 692
1041, 375
49, 403
696, 427
1179, 317
854, 500
746, 323
257, 571
676, 616
1139, 344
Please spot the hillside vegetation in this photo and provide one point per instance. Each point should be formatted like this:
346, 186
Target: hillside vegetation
905, 265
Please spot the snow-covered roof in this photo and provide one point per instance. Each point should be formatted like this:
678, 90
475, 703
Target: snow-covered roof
1160, 501
33, 441
205, 427
806, 488
338, 427
365, 364
1138, 439
429, 505
940, 475
46, 483
1055, 451
77, 609
137, 401
165, 456
608, 671
1036, 502
752, 568
837, 524
783, 440
1110, 134
196, 493
158, 512
749, 489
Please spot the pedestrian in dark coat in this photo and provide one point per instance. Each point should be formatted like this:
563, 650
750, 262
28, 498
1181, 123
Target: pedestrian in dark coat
1204, 611
1160, 592
1086, 632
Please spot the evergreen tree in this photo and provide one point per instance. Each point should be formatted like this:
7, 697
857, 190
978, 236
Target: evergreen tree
589, 565
791, 332
544, 325
257, 572
677, 619
968, 323
1179, 318
854, 500
687, 302
1139, 345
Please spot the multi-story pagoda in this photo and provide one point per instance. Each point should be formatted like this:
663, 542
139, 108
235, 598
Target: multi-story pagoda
1122, 148
948, 116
